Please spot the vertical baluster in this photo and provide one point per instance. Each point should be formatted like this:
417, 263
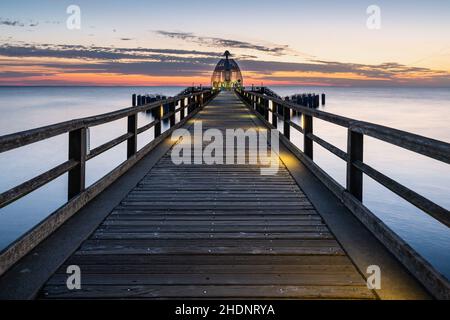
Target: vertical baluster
132, 141
274, 116
182, 105
287, 120
266, 109
172, 107
157, 126
355, 150
307, 142
77, 152
188, 109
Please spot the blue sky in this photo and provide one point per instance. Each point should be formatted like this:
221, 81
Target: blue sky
411, 48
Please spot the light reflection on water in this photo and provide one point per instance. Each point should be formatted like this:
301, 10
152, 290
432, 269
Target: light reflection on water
421, 111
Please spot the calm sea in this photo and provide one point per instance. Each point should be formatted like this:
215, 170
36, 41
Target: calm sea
419, 110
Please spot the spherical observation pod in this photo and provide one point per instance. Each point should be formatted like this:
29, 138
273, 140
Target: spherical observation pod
227, 74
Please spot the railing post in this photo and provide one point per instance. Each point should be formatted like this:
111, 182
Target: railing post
287, 120
257, 106
193, 103
355, 150
77, 152
157, 126
307, 141
172, 107
182, 105
274, 116
266, 109
187, 106
132, 141
133, 100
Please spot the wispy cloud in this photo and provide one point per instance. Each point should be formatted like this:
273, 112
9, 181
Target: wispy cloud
11, 23
176, 62
224, 43
17, 23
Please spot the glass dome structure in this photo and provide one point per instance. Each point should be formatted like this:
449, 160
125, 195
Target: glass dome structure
227, 74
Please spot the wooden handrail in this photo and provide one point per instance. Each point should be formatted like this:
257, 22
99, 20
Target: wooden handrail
23, 138
77, 141
431, 148
25, 188
351, 195
78, 195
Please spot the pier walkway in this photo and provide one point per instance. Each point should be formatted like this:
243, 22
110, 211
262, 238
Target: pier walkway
193, 231
212, 231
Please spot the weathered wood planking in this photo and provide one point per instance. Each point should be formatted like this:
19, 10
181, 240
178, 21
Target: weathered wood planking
213, 231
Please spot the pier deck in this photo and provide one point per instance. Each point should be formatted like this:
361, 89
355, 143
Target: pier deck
153, 229
213, 231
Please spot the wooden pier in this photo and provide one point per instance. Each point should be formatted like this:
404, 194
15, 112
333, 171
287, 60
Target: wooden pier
153, 229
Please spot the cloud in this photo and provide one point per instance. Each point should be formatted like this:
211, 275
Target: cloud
98, 52
177, 62
17, 23
11, 23
224, 43
386, 71
16, 74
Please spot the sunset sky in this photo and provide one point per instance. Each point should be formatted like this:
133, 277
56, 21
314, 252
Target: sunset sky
172, 42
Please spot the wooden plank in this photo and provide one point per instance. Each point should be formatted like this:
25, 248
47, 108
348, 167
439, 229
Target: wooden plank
210, 217
212, 278
237, 228
207, 236
228, 222
206, 259
212, 291
213, 268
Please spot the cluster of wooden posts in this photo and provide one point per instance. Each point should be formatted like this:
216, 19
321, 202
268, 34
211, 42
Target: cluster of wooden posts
140, 100
310, 100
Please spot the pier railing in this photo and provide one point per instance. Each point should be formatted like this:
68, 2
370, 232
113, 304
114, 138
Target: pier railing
270, 109
78, 154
